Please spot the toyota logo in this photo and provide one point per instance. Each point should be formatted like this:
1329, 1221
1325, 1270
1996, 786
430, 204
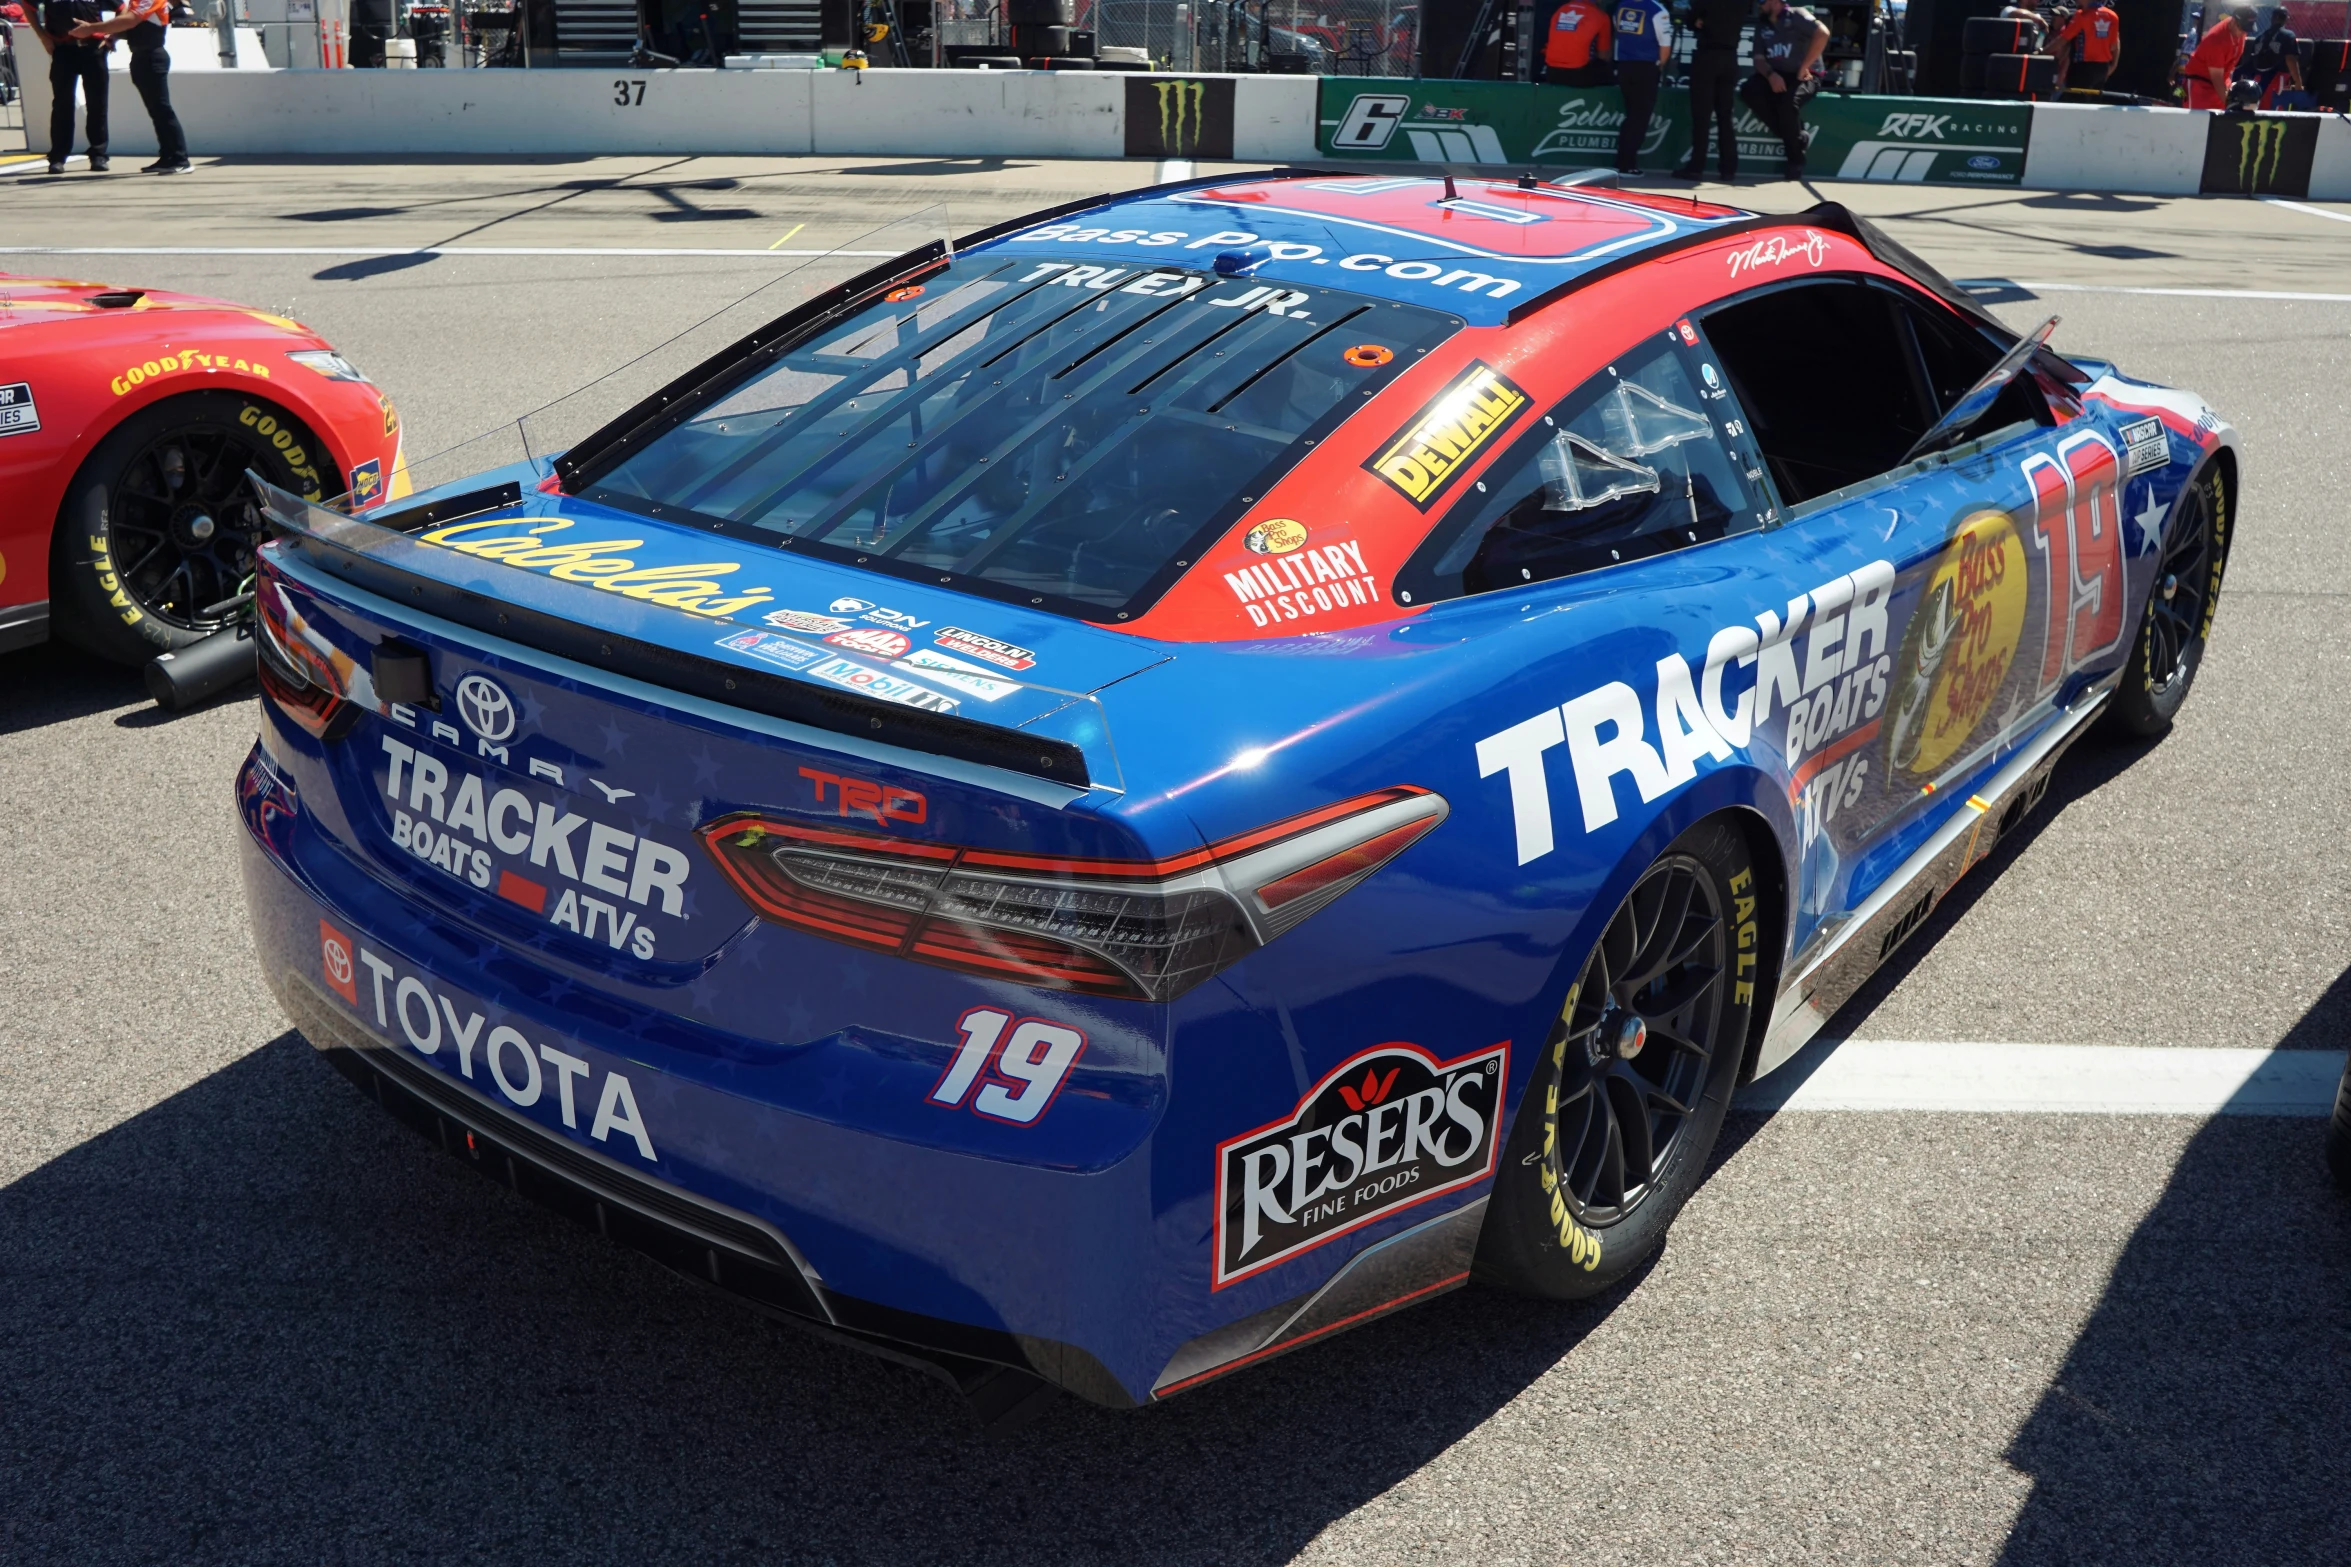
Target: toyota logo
486, 708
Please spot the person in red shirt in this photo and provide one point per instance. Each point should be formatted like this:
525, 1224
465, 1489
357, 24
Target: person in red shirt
2095, 34
1577, 50
2215, 59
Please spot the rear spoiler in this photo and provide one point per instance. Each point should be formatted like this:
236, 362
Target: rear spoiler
367, 556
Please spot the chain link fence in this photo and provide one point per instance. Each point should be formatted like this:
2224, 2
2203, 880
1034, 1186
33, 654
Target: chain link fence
1308, 37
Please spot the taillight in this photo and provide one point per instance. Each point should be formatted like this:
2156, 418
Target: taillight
309, 685
1144, 930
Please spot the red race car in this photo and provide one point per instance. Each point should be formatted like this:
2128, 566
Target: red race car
128, 419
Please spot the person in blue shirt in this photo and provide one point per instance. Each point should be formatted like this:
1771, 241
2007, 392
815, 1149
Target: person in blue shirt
1640, 49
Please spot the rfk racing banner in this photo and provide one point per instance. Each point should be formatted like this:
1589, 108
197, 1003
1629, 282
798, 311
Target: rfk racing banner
1392, 1127
1942, 141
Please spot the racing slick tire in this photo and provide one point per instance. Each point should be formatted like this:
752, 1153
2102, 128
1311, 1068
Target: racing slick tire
159, 524
2178, 617
1629, 1095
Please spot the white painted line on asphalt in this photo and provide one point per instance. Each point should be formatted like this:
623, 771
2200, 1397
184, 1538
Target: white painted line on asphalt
2296, 206
406, 250
2171, 293
1968, 1076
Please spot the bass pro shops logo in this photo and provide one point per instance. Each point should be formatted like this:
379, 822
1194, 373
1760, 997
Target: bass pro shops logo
1392, 1127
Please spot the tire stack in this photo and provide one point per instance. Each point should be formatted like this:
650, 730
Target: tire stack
2029, 76
1982, 38
2328, 74
1043, 37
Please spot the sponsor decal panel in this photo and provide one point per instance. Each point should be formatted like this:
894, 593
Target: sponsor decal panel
803, 621
2146, 445
367, 482
877, 683
1275, 536
2259, 154
19, 415
1959, 646
956, 675
1179, 117
971, 644
336, 962
495, 838
774, 649
484, 1049
880, 641
1425, 458
133, 376
1391, 1127
1304, 583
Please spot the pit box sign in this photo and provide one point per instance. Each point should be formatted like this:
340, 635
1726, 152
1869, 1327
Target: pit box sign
1941, 141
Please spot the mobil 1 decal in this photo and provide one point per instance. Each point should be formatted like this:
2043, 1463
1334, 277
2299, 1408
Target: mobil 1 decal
1392, 1127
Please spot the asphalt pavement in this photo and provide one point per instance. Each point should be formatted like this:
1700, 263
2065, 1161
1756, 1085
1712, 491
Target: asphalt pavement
245, 1317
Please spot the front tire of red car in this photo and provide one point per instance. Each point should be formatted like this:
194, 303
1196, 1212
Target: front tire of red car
159, 526
1630, 1092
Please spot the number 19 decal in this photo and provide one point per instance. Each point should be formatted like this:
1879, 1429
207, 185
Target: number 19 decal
1018, 1067
2077, 525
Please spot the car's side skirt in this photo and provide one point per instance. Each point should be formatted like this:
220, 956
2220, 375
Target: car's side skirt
1822, 982
23, 625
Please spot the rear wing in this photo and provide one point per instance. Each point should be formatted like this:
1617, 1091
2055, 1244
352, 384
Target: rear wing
1039, 731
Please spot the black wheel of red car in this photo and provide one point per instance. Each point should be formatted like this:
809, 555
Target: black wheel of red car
2339, 1134
160, 526
2178, 617
1635, 1079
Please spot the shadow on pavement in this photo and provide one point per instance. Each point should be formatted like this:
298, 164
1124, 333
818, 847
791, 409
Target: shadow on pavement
261, 1321
2201, 1415
54, 684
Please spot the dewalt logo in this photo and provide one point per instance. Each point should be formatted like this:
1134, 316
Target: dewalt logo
2261, 151
1182, 115
1421, 461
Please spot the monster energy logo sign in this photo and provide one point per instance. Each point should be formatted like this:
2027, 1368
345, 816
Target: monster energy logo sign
1177, 102
2259, 142
1179, 117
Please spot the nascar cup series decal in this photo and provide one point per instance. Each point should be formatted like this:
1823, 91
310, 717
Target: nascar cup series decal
1390, 1128
528, 1073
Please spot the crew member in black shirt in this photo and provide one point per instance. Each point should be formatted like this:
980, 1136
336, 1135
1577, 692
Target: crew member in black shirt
1788, 44
145, 21
74, 60
1714, 72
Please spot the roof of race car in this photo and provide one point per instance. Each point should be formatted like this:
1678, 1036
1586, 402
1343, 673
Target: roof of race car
1475, 248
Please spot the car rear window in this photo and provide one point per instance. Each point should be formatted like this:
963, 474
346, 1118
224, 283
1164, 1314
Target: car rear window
1060, 433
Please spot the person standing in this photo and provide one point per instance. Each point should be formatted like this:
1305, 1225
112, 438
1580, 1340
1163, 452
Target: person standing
145, 22
2272, 57
1714, 75
74, 60
1639, 29
2096, 36
1576, 52
2215, 60
1788, 44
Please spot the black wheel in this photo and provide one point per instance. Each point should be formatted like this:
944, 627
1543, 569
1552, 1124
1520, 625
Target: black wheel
159, 525
2179, 609
1633, 1084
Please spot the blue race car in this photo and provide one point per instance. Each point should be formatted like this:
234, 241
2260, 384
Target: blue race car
1103, 802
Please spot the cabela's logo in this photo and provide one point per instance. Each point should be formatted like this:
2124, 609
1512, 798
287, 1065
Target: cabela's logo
517, 541
1427, 455
1391, 1127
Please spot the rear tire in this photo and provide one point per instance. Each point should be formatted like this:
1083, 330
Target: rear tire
2339, 1134
1630, 1092
2178, 617
159, 525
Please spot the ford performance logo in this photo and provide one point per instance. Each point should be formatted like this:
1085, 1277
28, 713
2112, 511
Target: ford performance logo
486, 708
1983, 160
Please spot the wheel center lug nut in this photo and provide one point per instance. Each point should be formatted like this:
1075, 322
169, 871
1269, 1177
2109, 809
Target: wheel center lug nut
2171, 585
1631, 1035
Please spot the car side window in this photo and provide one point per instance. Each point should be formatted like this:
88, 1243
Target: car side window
1827, 372
1638, 460
1952, 355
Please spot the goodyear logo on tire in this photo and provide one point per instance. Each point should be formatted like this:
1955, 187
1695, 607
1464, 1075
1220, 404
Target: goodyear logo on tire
1421, 461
